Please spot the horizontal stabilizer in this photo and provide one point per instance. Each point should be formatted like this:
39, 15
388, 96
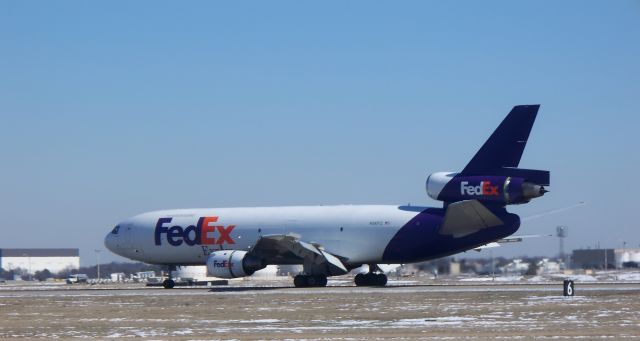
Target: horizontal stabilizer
487, 246
466, 217
538, 177
511, 239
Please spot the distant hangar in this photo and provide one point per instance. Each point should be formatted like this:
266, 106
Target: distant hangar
613, 258
32, 260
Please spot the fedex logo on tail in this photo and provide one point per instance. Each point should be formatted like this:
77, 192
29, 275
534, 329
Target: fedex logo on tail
204, 233
484, 188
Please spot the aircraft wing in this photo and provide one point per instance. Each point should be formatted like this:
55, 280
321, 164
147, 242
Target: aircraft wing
466, 217
289, 249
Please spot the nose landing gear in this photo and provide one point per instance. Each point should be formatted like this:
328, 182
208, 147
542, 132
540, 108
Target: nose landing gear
169, 283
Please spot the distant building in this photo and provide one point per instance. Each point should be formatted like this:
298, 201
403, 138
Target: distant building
143, 276
32, 260
546, 266
440, 266
118, 277
593, 258
597, 258
516, 267
627, 258
193, 272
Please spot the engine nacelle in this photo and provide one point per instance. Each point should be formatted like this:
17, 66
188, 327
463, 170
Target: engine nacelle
232, 264
505, 190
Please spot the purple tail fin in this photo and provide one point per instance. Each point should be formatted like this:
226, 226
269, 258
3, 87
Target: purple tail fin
505, 146
501, 153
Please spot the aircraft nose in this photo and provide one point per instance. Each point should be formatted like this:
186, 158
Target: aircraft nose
108, 242
109, 239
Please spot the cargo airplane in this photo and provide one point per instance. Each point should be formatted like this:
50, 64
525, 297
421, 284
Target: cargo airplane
332, 240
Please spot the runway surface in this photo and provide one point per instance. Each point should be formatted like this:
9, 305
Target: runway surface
432, 312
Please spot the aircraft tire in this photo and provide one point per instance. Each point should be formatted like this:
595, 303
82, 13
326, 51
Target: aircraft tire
305, 281
168, 283
322, 281
312, 281
370, 280
300, 281
381, 280
360, 280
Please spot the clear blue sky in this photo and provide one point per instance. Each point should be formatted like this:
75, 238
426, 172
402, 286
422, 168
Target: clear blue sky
110, 109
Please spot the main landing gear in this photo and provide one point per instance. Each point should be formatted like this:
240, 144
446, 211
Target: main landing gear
305, 281
169, 283
371, 278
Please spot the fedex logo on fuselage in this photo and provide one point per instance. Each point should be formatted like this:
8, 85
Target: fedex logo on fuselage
204, 233
484, 188
223, 264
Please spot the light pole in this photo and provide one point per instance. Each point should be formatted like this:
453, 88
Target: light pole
97, 251
493, 266
29, 262
562, 232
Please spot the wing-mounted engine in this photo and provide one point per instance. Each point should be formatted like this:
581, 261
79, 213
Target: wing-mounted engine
232, 264
495, 189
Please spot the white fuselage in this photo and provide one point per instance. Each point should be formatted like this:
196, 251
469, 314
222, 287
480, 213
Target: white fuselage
358, 233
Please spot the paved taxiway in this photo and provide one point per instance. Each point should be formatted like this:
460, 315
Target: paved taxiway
469, 312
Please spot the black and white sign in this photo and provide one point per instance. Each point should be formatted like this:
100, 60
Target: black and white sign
568, 287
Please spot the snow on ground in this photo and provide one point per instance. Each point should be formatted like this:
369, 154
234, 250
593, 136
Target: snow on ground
490, 279
577, 278
400, 282
599, 276
629, 276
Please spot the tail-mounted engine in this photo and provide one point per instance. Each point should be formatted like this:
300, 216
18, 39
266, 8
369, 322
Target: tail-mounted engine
499, 189
232, 264
493, 176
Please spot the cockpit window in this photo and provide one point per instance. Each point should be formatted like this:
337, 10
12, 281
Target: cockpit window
115, 229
